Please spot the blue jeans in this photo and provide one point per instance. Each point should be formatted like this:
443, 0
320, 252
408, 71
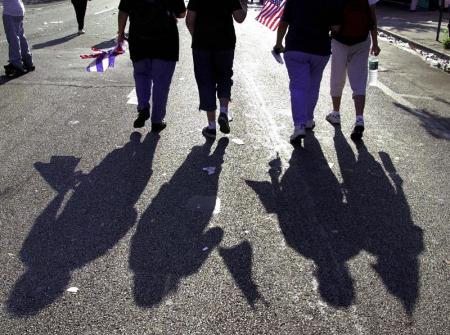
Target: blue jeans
19, 52
305, 74
152, 78
213, 71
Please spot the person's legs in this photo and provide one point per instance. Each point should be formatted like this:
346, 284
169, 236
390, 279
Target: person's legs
223, 69
80, 12
299, 70
337, 80
317, 65
11, 25
162, 72
24, 48
143, 82
206, 83
357, 75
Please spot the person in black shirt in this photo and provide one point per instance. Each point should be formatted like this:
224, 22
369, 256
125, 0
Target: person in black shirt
307, 51
210, 23
154, 50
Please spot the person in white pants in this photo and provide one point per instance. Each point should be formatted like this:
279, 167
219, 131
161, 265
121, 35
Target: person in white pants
350, 52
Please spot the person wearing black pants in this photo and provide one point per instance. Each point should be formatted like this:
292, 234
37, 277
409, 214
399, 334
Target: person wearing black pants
80, 11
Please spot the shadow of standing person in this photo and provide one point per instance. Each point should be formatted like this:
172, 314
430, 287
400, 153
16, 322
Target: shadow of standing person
171, 241
307, 199
381, 218
99, 212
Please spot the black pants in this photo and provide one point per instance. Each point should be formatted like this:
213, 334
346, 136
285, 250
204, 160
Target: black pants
80, 11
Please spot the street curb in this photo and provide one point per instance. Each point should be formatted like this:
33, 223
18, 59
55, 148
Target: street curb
415, 44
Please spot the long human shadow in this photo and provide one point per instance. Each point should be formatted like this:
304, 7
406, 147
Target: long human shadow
172, 240
56, 41
437, 126
377, 205
307, 199
331, 223
98, 213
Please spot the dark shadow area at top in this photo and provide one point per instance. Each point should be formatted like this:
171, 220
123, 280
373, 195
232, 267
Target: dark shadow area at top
54, 42
331, 223
437, 126
99, 212
172, 240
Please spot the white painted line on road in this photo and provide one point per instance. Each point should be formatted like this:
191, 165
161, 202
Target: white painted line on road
132, 97
105, 11
395, 96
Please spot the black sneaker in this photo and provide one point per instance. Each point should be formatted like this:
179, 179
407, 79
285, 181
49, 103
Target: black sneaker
158, 126
357, 132
143, 116
209, 133
11, 70
223, 123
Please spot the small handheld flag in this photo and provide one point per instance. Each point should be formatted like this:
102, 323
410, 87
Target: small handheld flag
271, 13
104, 59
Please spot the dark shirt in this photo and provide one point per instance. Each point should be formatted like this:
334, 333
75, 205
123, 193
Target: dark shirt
161, 44
213, 29
309, 25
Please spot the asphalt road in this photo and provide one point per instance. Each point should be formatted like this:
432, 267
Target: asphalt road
104, 230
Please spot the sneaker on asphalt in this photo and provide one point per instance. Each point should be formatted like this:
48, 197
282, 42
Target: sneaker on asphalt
81, 32
310, 125
357, 132
334, 118
298, 135
143, 116
209, 132
11, 70
158, 126
223, 123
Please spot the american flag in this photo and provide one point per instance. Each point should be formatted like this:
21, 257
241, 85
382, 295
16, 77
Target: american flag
104, 59
271, 13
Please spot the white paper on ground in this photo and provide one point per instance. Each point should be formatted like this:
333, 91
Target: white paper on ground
237, 141
73, 289
210, 169
72, 123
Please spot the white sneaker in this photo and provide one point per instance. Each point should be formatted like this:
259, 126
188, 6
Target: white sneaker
334, 118
299, 133
310, 125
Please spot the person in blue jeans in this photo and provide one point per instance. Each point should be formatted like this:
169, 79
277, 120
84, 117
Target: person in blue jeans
307, 51
20, 58
154, 50
210, 23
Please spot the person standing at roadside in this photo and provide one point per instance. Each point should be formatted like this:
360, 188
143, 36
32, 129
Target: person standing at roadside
350, 48
308, 47
80, 12
20, 58
154, 50
210, 23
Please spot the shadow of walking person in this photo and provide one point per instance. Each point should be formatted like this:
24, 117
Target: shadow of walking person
99, 212
307, 199
381, 215
171, 241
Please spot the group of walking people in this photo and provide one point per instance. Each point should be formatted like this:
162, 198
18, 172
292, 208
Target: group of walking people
312, 31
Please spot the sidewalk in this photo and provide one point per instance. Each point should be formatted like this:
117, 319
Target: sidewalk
417, 28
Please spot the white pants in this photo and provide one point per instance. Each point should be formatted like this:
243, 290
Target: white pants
351, 59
